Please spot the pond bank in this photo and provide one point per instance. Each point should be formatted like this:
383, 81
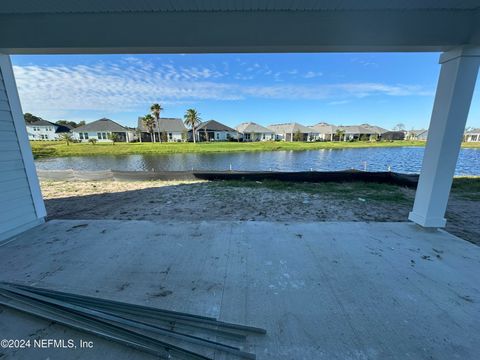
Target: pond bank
254, 201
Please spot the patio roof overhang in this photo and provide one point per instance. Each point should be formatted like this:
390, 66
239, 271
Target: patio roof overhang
190, 26
207, 26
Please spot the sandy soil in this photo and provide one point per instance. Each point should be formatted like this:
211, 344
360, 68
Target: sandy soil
200, 200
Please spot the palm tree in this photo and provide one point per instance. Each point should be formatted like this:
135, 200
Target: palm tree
149, 123
155, 109
113, 138
192, 119
66, 137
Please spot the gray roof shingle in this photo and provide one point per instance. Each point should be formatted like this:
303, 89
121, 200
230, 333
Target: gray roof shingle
213, 125
58, 128
251, 127
103, 124
165, 125
290, 128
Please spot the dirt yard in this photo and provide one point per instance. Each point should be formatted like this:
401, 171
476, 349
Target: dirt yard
252, 201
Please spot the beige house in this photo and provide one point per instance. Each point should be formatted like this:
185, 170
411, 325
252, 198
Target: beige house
289, 131
250, 131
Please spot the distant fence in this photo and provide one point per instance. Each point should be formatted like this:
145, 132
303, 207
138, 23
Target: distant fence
409, 180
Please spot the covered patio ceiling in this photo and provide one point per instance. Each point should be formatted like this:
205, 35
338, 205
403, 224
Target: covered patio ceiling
189, 26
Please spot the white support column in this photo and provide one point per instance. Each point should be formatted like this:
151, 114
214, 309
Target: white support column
450, 110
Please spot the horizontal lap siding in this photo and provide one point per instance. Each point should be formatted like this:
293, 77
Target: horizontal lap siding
16, 205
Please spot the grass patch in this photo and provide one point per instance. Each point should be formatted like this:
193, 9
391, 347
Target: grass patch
343, 190
44, 149
467, 187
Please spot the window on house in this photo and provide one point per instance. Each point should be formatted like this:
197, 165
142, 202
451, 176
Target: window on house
99, 136
170, 136
104, 136
80, 135
263, 137
218, 136
85, 135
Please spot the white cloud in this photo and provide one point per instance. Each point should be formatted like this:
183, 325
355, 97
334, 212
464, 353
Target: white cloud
312, 74
132, 83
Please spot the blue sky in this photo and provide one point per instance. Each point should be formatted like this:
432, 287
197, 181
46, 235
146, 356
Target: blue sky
383, 89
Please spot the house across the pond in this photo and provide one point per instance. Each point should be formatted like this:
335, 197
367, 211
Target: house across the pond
472, 135
416, 134
360, 132
45, 130
324, 131
102, 130
213, 130
168, 130
250, 131
293, 132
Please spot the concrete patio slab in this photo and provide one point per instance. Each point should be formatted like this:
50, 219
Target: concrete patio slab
322, 290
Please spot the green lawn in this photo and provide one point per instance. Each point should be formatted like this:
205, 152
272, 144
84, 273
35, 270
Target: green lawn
344, 190
42, 149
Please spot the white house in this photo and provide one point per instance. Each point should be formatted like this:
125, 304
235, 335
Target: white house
170, 129
324, 131
288, 132
101, 130
250, 131
472, 135
360, 132
213, 130
45, 130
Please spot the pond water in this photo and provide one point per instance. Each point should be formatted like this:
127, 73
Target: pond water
401, 159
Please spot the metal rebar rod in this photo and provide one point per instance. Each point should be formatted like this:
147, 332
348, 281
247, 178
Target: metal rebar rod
135, 311
144, 310
96, 315
173, 321
137, 306
170, 323
95, 327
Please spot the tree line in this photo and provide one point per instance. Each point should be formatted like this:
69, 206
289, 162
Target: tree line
30, 118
